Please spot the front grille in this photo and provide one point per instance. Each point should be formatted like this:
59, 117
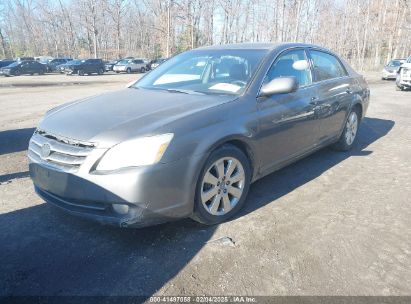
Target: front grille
58, 152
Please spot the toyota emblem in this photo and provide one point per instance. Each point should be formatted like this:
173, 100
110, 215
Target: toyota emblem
45, 151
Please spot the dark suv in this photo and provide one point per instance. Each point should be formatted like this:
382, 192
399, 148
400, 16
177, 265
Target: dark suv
86, 66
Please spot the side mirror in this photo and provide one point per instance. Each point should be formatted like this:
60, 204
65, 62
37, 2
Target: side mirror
280, 85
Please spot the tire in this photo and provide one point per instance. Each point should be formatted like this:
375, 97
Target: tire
349, 134
100, 72
117, 72
142, 70
128, 71
209, 207
399, 88
80, 72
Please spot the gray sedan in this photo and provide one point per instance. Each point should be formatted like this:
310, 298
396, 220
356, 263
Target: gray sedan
189, 138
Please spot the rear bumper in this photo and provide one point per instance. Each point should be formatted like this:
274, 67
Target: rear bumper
153, 194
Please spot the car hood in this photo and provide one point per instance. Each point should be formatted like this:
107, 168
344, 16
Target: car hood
406, 65
117, 116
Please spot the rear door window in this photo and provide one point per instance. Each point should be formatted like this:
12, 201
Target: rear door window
326, 66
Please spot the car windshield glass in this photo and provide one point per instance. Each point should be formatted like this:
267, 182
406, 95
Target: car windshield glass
205, 71
124, 61
76, 61
14, 64
395, 63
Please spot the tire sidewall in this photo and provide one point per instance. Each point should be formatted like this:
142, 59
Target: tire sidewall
200, 213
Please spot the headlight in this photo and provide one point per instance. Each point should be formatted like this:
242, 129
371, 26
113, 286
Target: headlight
136, 152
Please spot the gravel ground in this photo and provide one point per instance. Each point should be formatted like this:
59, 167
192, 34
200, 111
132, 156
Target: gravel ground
331, 224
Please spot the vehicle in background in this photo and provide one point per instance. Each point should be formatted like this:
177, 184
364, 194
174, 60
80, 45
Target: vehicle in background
147, 63
130, 65
43, 59
403, 80
390, 70
110, 64
60, 67
85, 66
53, 64
155, 63
189, 138
6, 62
23, 67
24, 58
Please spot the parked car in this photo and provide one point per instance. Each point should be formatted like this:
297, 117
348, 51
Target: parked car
109, 65
130, 65
25, 59
53, 64
403, 80
6, 62
155, 63
390, 70
86, 66
23, 67
187, 139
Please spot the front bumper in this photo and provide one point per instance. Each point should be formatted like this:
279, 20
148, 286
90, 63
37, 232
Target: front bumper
153, 194
389, 74
5, 72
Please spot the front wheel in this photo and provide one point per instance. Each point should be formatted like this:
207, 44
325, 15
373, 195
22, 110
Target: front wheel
100, 71
349, 134
142, 70
222, 186
128, 71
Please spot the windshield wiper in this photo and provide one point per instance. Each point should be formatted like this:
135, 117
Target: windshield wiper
184, 91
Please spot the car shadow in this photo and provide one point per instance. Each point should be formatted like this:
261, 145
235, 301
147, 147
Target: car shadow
297, 174
46, 252
12, 141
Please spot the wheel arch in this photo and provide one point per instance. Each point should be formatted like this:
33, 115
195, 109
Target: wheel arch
240, 142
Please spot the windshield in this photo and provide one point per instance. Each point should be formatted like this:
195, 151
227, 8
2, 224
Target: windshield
124, 61
395, 63
14, 64
205, 71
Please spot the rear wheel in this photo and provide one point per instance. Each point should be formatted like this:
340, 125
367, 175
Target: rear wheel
128, 70
349, 134
100, 71
142, 70
222, 186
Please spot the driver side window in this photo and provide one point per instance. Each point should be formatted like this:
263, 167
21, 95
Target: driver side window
291, 63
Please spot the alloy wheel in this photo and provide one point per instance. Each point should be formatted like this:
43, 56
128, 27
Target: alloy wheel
351, 128
222, 186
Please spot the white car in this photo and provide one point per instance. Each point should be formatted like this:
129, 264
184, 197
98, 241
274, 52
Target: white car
130, 65
403, 80
390, 70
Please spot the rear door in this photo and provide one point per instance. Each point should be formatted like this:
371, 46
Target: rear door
335, 93
288, 122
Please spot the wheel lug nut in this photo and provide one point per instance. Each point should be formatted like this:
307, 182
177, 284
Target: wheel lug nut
225, 190
227, 183
218, 183
219, 191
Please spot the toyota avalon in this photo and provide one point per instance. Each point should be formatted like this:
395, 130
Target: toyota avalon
189, 138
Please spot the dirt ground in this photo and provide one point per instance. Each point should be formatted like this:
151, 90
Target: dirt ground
331, 224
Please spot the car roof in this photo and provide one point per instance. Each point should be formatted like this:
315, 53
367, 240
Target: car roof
257, 46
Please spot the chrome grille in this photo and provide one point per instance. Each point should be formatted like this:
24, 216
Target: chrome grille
61, 153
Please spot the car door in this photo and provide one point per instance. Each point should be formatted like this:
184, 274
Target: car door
335, 93
288, 123
25, 68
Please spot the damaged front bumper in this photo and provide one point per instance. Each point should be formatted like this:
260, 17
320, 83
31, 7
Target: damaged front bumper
133, 197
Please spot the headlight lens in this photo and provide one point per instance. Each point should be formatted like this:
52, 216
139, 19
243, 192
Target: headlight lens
136, 152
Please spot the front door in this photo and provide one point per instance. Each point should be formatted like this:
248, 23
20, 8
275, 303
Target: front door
288, 122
